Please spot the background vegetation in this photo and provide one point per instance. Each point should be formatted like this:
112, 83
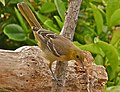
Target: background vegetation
97, 29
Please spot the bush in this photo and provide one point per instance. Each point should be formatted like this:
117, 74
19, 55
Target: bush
97, 29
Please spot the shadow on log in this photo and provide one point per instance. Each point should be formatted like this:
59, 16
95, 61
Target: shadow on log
26, 70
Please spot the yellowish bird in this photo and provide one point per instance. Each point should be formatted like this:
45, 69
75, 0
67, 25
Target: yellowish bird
54, 46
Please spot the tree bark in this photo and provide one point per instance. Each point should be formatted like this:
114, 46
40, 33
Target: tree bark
25, 70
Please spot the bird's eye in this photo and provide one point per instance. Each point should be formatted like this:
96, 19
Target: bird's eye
77, 56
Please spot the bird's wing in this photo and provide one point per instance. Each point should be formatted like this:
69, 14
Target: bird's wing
57, 44
42, 34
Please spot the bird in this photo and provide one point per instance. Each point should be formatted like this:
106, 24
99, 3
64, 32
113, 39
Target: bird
55, 47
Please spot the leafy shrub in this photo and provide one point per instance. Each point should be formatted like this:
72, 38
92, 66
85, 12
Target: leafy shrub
97, 29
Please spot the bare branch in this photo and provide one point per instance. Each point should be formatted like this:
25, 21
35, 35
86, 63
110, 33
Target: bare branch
71, 19
67, 31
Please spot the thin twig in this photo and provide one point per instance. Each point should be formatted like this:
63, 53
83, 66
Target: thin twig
71, 19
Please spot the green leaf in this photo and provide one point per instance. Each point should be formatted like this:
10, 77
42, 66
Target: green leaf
60, 8
20, 18
104, 2
112, 56
3, 2
110, 83
79, 37
118, 79
89, 28
15, 32
60, 23
99, 60
115, 18
88, 39
30, 41
14, 1
41, 17
98, 18
112, 6
115, 36
93, 48
37, 1
113, 89
49, 23
48, 7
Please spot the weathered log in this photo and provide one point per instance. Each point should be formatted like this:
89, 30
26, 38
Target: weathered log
26, 70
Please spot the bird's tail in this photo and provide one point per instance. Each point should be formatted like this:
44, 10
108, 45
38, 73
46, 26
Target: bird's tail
28, 14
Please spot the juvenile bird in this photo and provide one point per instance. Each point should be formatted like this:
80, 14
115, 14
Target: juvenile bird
54, 46
57, 47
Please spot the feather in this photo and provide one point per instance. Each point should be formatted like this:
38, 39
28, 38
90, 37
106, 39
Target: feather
47, 36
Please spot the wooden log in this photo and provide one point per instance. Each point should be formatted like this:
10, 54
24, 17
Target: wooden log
26, 70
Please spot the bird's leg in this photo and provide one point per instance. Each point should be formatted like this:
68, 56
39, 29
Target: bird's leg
50, 67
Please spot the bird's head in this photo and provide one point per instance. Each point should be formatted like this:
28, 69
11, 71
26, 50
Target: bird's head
78, 56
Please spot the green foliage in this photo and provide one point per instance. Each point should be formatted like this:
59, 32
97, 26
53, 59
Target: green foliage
112, 6
48, 7
113, 89
93, 48
99, 60
98, 19
20, 18
112, 58
15, 32
115, 18
49, 23
115, 37
60, 8
97, 29
60, 23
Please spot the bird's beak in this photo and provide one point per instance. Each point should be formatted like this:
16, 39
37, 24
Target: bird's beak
81, 63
